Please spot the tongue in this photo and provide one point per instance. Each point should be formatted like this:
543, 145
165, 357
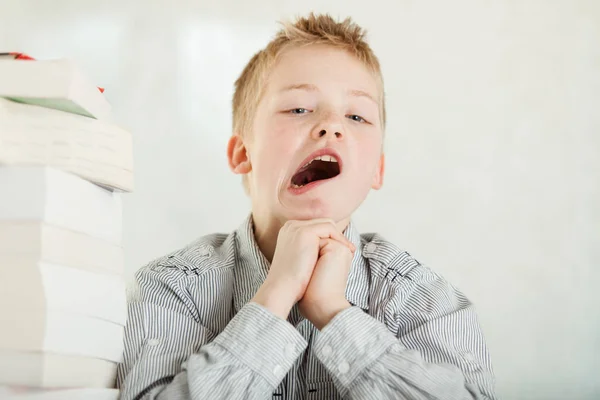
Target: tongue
316, 171
305, 177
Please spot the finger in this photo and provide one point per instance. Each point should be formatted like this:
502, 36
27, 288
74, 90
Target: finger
329, 230
324, 227
338, 235
332, 245
337, 243
345, 241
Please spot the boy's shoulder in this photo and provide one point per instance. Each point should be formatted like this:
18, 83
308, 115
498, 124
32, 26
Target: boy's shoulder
397, 266
386, 254
207, 252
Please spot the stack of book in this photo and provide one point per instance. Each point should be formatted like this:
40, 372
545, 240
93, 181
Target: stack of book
64, 166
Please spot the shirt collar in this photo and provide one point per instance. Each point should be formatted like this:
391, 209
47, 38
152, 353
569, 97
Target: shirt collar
359, 279
252, 267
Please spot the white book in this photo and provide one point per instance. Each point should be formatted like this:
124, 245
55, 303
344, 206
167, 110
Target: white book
58, 84
47, 243
7, 393
60, 199
38, 288
94, 150
48, 370
38, 330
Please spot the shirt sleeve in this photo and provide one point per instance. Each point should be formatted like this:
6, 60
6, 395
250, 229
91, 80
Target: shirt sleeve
437, 351
169, 354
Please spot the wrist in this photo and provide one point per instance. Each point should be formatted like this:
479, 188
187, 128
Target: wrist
324, 317
276, 298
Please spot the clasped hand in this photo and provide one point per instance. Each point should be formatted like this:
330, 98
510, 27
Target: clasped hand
310, 267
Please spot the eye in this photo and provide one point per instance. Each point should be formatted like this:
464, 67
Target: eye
299, 111
356, 118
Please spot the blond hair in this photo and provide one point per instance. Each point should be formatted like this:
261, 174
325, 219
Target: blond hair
313, 29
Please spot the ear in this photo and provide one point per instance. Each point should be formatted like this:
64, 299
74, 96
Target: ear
378, 178
237, 154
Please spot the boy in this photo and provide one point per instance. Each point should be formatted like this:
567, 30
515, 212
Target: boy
296, 303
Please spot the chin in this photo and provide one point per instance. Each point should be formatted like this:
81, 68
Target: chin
316, 208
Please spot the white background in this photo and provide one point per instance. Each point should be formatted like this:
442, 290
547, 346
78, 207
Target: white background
493, 147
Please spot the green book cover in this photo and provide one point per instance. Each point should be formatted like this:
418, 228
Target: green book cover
57, 104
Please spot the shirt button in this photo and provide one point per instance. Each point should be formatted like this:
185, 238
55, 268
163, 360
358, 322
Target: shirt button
290, 350
153, 342
326, 351
343, 367
370, 247
469, 356
277, 371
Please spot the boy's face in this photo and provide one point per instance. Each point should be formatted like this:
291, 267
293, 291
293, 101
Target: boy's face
318, 101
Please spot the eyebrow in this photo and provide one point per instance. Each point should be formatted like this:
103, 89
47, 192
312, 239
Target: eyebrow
312, 88
301, 86
362, 93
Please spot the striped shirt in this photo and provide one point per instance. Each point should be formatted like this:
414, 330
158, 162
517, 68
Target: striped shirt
193, 333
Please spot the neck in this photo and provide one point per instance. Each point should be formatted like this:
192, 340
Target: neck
266, 230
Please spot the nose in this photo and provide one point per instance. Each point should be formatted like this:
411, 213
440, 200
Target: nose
329, 128
323, 132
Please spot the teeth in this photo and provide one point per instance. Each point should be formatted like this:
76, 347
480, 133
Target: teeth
328, 158
322, 158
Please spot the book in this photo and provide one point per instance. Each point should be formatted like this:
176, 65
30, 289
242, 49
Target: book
48, 370
22, 56
7, 393
46, 243
38, 288
52, 308
60, 199
49, 331
92, 149
58, 84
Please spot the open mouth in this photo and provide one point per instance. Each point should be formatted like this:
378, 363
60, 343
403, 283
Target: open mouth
318, 169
